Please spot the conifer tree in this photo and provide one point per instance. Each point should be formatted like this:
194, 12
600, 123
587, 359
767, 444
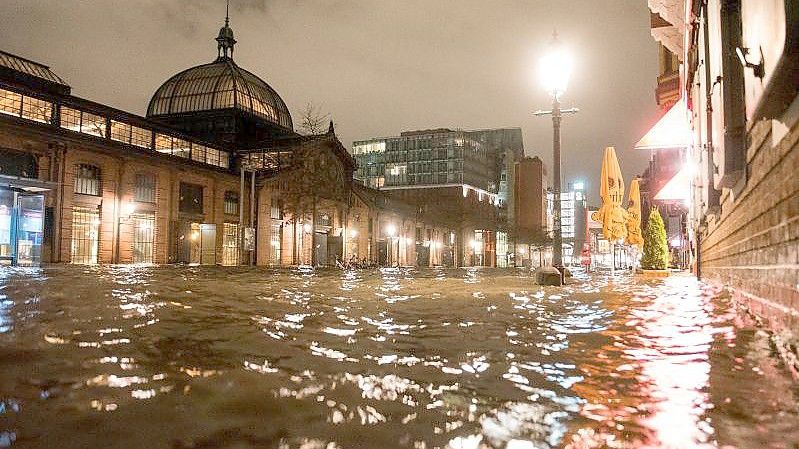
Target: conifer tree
656, 248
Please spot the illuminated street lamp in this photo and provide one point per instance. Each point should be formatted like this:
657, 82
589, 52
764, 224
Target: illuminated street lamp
556, 66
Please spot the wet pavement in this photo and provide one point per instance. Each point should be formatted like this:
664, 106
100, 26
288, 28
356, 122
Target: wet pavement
188, 357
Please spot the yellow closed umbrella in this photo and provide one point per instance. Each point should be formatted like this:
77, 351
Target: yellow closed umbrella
612, 216
634, 236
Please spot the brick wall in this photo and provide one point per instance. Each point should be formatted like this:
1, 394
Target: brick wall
753, 245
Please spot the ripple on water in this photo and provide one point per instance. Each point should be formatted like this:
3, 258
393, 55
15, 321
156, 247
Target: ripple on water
396, 357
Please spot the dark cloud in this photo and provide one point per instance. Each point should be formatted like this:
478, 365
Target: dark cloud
377, 66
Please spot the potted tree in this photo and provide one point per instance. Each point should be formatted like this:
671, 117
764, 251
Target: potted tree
655, 257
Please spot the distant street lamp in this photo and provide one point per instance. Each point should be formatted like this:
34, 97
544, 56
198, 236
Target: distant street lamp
555, 68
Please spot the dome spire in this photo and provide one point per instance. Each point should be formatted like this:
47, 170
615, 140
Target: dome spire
225, 40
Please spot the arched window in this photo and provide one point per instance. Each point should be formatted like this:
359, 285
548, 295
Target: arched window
87, 179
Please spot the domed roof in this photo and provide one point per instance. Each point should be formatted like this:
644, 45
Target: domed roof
219, 85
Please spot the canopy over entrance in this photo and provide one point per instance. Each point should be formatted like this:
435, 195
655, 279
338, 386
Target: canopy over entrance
670, 132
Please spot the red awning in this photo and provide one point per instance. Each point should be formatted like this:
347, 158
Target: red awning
678, 188
671, 131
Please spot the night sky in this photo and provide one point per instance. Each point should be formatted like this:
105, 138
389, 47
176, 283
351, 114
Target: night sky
378, 67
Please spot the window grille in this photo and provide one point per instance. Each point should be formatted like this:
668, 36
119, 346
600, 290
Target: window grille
275, 239
144, 190
231, 205
36, 110
143, 238
10, 102
85, 235
276, 212
141, 137
87, 180
230, 244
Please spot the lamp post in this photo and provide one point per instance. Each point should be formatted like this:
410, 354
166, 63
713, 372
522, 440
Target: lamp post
555, 70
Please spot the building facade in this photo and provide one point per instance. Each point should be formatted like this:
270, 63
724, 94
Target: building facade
214, 174
574, 220
738, 82
461, 179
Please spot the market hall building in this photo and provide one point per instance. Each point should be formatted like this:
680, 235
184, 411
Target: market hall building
214, 174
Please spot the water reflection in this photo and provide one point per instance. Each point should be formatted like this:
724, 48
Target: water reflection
470, 358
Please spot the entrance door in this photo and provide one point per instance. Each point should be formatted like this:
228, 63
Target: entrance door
335, 249
143, 238
208, 244
6, 234
30, 226
422, 255
382, 253
321, 249
85, 235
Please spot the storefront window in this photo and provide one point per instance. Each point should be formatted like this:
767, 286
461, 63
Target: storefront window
30, 227
6, 211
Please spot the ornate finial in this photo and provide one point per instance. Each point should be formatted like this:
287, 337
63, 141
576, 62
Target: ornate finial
330, 129
225, 40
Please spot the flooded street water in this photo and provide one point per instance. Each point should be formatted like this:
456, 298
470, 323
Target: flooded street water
181, 357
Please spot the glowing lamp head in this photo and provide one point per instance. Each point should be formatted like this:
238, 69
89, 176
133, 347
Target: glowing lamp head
555, 68
353, 233
391, 230
129, 208
306, 227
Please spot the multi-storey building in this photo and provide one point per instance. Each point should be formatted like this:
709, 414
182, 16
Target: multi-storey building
529, 212
737, 91
574, 220
454, 176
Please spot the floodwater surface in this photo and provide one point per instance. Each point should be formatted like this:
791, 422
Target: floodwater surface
187, 357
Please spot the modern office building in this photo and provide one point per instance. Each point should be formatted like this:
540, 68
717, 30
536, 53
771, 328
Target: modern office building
457, 177
574, 220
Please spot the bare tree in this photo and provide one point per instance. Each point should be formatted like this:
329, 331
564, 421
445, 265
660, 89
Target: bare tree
313, 120
314, 175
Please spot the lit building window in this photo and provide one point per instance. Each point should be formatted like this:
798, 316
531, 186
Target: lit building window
87, 180
276, 212
36, 110
231, 203
275, 238
163, 143
92, 124
198, 153
120, 131
141, 137
181, 148
10, 102
70, 119
230, 244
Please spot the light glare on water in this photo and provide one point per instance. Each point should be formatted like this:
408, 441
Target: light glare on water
190, 357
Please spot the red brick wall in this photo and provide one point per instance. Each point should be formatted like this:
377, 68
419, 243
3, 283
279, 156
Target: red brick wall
753, 246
